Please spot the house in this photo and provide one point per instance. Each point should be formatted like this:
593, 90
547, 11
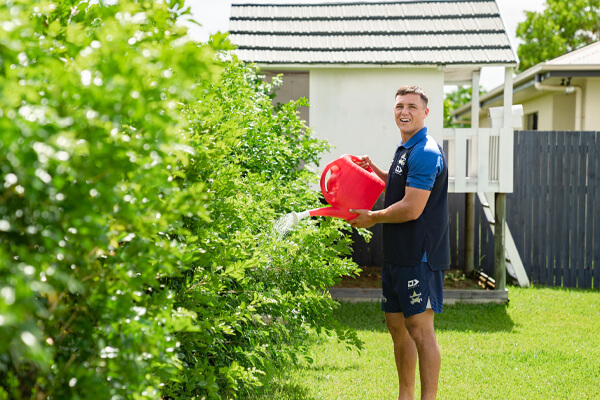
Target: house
348, 59
561, 94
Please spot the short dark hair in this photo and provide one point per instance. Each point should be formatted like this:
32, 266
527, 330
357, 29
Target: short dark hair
411, 89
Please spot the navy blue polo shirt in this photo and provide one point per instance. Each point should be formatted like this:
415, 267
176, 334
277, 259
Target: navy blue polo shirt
419, 163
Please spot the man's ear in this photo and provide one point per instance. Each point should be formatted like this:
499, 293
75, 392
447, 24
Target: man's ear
426, 112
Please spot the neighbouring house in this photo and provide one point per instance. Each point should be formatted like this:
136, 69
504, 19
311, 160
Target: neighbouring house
562, 94
348, 59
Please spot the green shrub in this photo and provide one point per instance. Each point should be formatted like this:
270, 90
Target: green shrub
90, 141
256, 295
141, 174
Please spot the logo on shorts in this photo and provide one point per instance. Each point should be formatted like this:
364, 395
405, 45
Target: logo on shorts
383, 299
415, 298
413, 283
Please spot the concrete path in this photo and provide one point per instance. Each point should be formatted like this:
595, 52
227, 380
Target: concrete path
451, 296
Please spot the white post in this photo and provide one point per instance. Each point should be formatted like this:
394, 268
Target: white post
505, 173
473, 168
505, 167
460, 160
508, 96
483, 169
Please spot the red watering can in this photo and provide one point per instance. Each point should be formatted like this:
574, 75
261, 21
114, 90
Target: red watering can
348, 187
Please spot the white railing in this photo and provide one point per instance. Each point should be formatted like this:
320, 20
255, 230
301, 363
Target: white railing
479, 160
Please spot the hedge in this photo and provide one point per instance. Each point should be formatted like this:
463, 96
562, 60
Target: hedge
142, 173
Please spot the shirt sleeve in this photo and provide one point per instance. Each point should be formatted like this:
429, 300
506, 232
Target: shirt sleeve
424, 165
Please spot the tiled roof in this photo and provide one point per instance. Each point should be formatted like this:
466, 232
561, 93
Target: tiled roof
588, 55
394, 32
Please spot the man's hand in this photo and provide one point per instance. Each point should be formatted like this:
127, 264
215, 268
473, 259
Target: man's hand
365, 219
363, 162
366, 163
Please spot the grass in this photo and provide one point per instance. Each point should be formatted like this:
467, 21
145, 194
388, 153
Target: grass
544, 345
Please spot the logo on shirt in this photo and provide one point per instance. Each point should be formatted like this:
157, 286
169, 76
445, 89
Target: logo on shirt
412, 284
402, 160
398, 170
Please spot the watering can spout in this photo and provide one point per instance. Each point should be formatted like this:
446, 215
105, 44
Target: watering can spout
332, 212
298, 216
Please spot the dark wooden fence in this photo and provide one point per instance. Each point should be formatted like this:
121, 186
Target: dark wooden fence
553, 213
370, 254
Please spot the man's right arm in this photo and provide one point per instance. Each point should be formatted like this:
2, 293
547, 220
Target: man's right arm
408, 209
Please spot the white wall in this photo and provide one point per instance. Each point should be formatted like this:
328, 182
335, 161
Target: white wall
294, 86
591, 105
563, 112
353, 108
543, 106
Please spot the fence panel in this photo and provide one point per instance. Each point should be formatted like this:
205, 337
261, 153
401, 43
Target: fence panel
588, 234
551, 239
594, 182
516, 201
484, 241
456, 204
561, 210
581, 198
528, 189
544, 212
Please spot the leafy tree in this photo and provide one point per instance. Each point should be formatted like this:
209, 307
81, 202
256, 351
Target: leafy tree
453, 101
562, 27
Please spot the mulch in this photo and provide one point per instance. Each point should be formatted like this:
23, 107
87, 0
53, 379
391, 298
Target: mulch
370, 278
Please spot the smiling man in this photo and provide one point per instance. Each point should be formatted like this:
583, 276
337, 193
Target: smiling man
416, 243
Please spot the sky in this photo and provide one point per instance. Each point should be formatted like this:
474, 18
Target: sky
214, 17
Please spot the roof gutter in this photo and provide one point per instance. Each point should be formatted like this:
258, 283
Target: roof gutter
533, 77
521, 81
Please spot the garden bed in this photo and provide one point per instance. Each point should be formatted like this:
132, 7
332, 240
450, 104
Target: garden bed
457, 288
370, 278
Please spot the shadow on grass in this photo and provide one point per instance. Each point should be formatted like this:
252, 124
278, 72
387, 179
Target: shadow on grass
332, 367
364, 316
459, 317
475, 318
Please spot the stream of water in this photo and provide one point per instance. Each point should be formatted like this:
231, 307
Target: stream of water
284, 224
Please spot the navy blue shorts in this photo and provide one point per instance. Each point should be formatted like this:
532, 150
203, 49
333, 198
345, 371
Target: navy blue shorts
411, 290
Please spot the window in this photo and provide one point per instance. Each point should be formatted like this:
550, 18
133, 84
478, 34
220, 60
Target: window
531, 121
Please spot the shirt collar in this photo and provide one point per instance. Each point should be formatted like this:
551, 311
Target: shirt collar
417, 137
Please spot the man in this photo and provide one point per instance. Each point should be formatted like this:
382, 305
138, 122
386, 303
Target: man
416, 243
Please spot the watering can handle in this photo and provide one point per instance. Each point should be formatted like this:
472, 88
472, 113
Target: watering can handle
354, 158
328, 196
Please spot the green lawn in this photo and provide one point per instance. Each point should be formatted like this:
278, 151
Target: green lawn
544, 345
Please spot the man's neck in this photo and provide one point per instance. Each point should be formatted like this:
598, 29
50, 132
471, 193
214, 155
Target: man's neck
408, 135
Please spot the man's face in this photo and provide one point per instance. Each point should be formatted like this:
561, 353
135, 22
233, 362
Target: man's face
410, 113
